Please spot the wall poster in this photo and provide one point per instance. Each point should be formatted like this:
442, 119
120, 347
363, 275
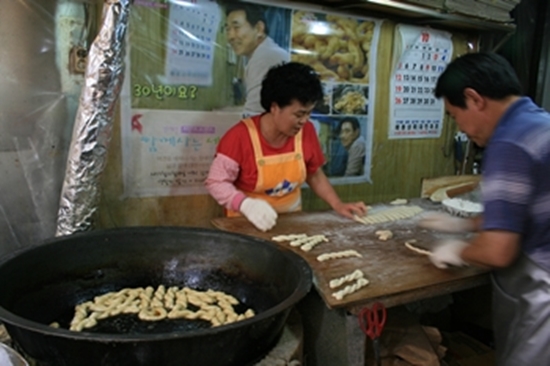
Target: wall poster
192, 73
421, 55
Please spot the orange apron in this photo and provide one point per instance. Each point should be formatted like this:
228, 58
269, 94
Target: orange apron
279, 176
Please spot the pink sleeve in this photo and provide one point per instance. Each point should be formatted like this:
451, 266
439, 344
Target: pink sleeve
220, 182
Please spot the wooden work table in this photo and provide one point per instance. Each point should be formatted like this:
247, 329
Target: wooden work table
396, 274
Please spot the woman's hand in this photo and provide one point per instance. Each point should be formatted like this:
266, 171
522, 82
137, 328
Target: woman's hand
320, 184
350, 209
259, 212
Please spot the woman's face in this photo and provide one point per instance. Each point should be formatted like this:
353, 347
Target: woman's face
289, 120
348, 134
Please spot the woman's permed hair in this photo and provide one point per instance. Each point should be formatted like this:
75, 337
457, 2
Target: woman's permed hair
290, 81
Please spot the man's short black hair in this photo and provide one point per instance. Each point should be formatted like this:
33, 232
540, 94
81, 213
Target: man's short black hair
290, 81
254, 13
488, 74
352, 120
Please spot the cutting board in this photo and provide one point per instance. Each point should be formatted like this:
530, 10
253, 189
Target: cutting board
448, 186
392, 269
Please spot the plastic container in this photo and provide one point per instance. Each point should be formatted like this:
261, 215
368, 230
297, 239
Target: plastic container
461, 207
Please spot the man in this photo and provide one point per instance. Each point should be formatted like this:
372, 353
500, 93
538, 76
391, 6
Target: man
483, 95
354, 143
247, 34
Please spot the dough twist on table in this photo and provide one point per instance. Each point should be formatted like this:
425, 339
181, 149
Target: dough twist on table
305, 242
281, 238
346, 278
314, 240
301, 241
361, 282
336, 255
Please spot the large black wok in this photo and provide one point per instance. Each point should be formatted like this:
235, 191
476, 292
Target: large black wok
43, 284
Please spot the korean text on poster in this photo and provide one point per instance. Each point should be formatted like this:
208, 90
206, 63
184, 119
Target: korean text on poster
195, 67
170, 152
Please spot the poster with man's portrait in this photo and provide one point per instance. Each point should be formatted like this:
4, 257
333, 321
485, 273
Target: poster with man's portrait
344, 141
195, 69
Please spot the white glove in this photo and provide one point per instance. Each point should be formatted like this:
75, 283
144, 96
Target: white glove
447, 252
259, 212
441, 221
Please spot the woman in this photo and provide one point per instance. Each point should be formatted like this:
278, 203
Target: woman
262, 161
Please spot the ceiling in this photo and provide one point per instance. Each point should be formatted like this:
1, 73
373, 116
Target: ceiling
415, 14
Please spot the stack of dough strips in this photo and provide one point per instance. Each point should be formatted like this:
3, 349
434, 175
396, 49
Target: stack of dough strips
391, 214
163, 303
357, 276
305, 242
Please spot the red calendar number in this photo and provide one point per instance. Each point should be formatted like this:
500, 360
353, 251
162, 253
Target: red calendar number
425, 37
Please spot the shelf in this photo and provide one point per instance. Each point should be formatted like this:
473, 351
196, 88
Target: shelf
415, 14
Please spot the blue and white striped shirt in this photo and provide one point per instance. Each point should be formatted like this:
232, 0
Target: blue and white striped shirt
516, 178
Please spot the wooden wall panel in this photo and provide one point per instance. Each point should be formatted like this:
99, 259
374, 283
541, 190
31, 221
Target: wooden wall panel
398, 167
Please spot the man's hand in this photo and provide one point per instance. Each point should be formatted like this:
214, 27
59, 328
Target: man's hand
441, 221
259, 212
447, 252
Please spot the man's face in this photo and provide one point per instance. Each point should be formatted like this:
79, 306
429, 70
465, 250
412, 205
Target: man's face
468, 120
348, 134
290, 119
243, 37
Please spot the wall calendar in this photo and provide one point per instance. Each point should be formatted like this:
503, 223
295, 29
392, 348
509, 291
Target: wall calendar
421, 56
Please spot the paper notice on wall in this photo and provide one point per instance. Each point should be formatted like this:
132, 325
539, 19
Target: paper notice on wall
169, 152
421, 55
176, 66
191, 40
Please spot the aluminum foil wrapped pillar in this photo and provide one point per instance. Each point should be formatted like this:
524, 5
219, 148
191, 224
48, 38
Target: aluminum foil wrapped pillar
94, 120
